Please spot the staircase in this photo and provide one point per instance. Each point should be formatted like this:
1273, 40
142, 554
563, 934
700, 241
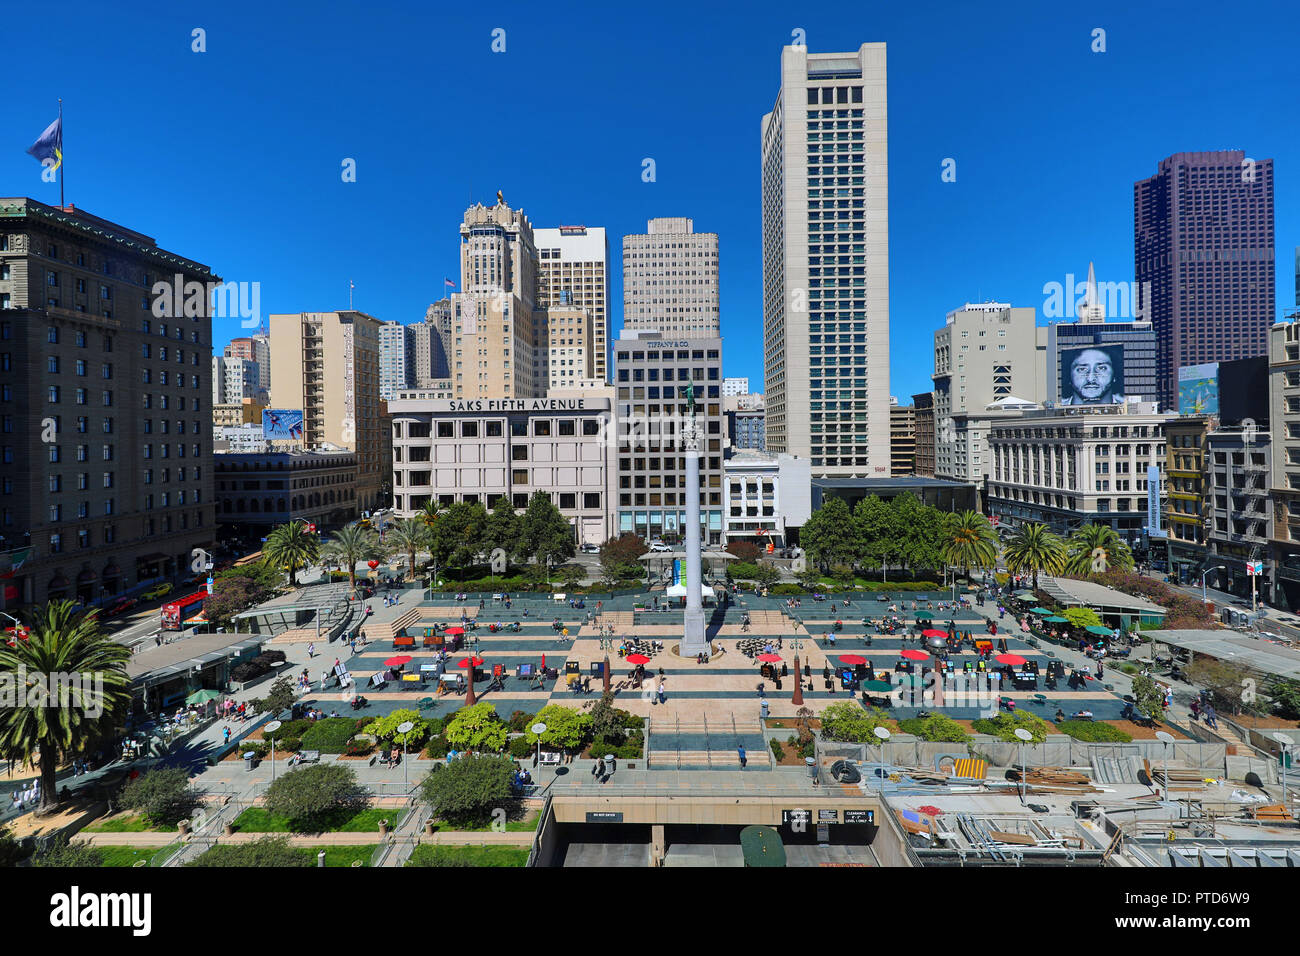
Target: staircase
708, 745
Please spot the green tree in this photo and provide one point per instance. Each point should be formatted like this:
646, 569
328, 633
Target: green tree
281, 697
408, 536
1033, 547
466, 791
311, 798
62, 853
350, 544
1285, 698
1148, 696
744, 551
164, 797
544, 533
606, 719
385, 728
1227, 681
291, 547
265, 853
969, 542
766, 575
61, 718
828, 536
847, 721
565, 727
503, 527
1004, 726
12, 851
1081, 617
477, 728
918, 529
1096, 549
618, 557
457, 536
878, 538
430, 511
936, 728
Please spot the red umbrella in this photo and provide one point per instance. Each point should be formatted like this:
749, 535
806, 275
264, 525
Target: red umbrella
852, 659
769, 658
469, 662
1012, 659
915, 655
933, 632
642, 659
543, 662
454, 630
397, 661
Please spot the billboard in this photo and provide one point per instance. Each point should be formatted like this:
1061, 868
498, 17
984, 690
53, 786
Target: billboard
1092, 375
1198, 389
281, 424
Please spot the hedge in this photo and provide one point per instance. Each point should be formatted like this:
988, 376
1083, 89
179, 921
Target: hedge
520, 748
329, 735
777, 750
1093, 731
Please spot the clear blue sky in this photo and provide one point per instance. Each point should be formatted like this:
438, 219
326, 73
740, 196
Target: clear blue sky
232, 157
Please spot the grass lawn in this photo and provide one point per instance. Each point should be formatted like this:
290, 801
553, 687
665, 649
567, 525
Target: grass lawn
126, 855
258, 820
344, 855
526, 824
132, 823
435, 855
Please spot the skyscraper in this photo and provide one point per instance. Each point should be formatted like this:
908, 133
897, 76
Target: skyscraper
432, 344
255, 348
825, 216
396, 359
573, 272
1203, 240
670, 279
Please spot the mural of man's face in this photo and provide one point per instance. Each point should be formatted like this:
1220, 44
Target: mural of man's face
1091, 374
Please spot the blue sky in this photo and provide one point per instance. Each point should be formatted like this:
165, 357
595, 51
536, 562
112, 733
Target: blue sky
233, 156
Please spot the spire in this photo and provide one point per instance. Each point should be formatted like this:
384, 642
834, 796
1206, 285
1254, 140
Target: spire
1091, 310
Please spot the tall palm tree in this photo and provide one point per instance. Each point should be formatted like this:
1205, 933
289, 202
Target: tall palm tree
431, 511
82, 672
1033, 547
350, 544
1096, 549
291, 547
410, 535
969, 542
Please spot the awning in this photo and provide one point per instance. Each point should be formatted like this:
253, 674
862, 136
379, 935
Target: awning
679, 590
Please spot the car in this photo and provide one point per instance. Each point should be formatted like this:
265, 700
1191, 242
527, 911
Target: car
120, 606
157, 591
659, 547
591, 549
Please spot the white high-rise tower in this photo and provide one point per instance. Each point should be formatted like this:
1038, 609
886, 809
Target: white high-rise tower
825, 211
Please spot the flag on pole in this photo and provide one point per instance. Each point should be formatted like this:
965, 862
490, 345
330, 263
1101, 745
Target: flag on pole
49, 145
448, 283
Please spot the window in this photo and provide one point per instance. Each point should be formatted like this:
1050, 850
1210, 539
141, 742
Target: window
542, 427
53, 396
568, 426
469, 429
493, 430
52, 365
519, 476
446, 430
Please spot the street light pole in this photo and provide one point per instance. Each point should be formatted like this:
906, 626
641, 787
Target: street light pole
1203, 576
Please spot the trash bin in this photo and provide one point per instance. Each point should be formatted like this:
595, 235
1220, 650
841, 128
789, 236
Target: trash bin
811, 763
609, 764
250, 759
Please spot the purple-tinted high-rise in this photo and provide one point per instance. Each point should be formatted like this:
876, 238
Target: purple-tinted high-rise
1203, 259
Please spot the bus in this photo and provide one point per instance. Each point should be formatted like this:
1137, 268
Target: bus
176, 613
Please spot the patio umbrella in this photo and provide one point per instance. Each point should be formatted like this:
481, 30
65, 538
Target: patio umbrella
1025, 595
469, 662
202, 696
1056, 619
1098, 629
915, 655
765, 658
1015, 660
397, 661
924, 616
938, 643
933, 632
877, 686
1039, 610
642, 659
454, 631
851, 659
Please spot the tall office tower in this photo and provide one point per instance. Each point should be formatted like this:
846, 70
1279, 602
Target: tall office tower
106, 448
902, 439
825, 209
432, 344
235, 379
255, 348
1127, 347
327, 365
573, 271
670, 279
923, 403
1203, 240
396, 358
496, 326
571, 349
735, 386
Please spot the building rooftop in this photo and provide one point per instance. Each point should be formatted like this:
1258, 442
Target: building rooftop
1260, 654
1091, 594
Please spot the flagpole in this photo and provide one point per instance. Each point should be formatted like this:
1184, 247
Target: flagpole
63, 160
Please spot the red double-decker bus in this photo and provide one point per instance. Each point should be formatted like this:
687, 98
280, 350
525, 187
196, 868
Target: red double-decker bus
178, 611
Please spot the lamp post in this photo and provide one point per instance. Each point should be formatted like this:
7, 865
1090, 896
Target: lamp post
1203, 576
269, 732
883, 734
1166, 739
797, 697
1022, 736
539, 728
1286, 744
404, 728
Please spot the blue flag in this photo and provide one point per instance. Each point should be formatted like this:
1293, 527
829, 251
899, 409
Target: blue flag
50, 144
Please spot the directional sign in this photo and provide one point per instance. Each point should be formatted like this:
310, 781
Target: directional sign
1254, 568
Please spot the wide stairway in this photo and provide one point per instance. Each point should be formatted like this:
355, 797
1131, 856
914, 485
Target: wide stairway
707, 744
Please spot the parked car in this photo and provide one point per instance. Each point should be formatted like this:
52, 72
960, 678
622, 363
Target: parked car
590, 548
157, 591
659, 546
121, 606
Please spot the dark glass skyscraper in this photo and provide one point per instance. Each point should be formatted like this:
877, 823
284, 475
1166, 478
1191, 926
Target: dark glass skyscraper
1203, 247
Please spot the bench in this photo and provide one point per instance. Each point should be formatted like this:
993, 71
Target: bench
550, 757
304, 756
403, 642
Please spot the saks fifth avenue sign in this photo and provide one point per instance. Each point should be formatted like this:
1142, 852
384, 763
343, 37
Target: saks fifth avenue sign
518, 405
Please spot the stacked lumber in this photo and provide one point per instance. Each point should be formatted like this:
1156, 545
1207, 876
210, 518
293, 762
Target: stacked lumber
1272, 812
1057, 777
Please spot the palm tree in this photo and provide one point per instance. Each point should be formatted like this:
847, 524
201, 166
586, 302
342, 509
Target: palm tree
410, 535
79, 676
350, 544
970, 542
291, 547
431, 511
1033, 547
1096, 549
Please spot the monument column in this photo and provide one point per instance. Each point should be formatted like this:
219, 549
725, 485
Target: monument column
693, 638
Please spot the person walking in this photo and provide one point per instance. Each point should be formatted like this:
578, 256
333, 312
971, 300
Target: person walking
663, 694
740, 750
311, 650
225, 735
